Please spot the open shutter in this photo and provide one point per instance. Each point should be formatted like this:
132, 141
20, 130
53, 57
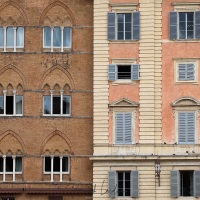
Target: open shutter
134, 184
135, 72
182, 128
197, 24
197, 183
119, 118
173, 29
111, 184
112, 72
136, 25
175, 183
190, 72
181, 72
127, 128
111, 26
190, 127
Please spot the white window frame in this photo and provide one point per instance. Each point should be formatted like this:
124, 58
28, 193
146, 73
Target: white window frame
177, 62
14, 173
14, 103
117, 180
15, 47
62, 35
124, 110
52, 173
61, 109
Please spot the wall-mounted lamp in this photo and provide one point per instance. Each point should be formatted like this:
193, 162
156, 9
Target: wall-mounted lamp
157, 171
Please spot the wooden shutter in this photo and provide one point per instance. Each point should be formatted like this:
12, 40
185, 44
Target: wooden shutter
136, 25
127, 128
112, 184
135, 72
181, 72
175, 183
112, 72
111, 26
197, 183
197, 24
190, 72
186, 127
173, 28
134, 184
119, 128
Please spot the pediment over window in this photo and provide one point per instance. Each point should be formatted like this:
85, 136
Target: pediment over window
185, 101
124, 103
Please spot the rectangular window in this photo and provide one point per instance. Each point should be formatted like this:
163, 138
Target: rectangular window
186, 127
123, 128
11, 105
124, 26
56, 164
56, 105
57, 37
124, 184
123, 72
14, 37
186, 183
186, 72
184, 25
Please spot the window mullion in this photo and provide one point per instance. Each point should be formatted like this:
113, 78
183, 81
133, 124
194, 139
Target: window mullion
51, 91
14, 163
4, 46
4, 105
61, 161
15, 38
4, 168
52, 39
52, 157
14, 102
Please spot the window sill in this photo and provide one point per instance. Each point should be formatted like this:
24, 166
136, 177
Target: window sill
56, 50
186, 82
181, 41
55, 173
123, 41
20, 49
56, 115
11, 115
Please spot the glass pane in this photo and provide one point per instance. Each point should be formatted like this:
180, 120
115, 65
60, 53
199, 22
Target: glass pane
56, 105
9, 105
66, 105
67, 37
120, 27
20, 37
10, 37
47, 36
9, 164
128, 27
190, 16
1, 164
190, 34
182, 26
127, 17
18, 165
1, 37
120, 35
182, 35
47, 104
65, 164
57, 37
182, 17
56, 164
127, 35
18, 104
1, 104
47, 164
120, 18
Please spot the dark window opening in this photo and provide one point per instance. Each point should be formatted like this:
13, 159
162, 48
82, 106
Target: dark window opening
124, 184
9, 105
56, 105
186, 183
1, 164
56, 164
9, 164
47, 164
65, 164
124, 72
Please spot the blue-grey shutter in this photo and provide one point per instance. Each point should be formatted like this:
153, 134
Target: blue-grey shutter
136, 25
134, 184
127, 128
182, 128
173, 27
197, 24
111, 184
112, 72
181, 72
197, 183
191, 127
119, 129
135, 72
175, 183
111, 26
190, 72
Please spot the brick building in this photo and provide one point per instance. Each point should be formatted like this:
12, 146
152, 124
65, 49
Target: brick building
146, 99
46, 99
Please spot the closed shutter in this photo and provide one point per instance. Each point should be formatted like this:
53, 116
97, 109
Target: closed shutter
197, 24
185, 72
186, 127
181, 72
197, 183
135, 72
173, 28
111, 26
112, 184
112, 72
175, 183
190, 72
136, 25
123, 128
134, 184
